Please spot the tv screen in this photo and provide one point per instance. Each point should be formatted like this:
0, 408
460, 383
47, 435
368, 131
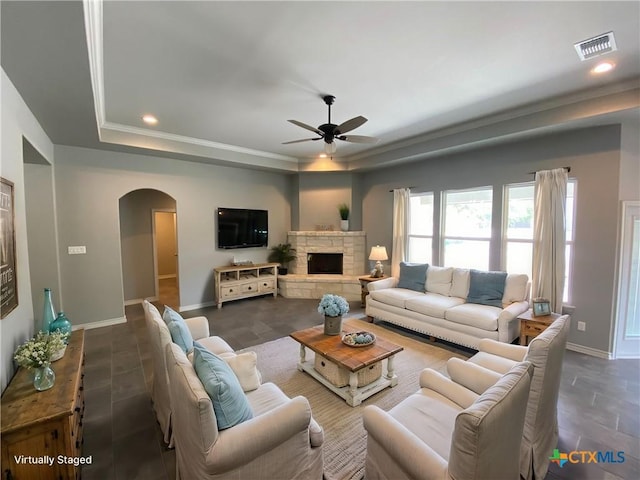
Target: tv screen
242, 228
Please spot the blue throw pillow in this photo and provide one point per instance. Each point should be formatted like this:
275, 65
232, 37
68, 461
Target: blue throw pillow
486, 288
181, 336
229, 401
170, 315
413, 276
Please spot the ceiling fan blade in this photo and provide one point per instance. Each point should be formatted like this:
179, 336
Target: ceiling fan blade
308, 127
357, 139
349, 125
303, 140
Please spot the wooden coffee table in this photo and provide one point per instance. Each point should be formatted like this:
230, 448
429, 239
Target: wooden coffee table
352, 359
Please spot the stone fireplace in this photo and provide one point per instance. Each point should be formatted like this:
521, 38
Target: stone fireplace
307, 279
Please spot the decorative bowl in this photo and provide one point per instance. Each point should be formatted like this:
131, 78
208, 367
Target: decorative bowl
359, 339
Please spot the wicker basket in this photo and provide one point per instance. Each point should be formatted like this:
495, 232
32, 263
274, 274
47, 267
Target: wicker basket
339, 377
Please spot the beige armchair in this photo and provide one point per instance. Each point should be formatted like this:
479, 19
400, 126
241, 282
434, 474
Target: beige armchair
447, 431
546, 353
281, 440
159, 337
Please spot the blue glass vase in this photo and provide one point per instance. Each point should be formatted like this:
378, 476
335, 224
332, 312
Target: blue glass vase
49, 314
63, 324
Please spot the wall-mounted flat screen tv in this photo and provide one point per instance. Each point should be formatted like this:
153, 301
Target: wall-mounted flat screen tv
242, 228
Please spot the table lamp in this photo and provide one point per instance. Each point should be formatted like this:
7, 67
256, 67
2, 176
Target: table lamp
378, 254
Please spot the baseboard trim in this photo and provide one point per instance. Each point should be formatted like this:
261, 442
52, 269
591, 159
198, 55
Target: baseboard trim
136, 301
195, 306
594, 352
100, 323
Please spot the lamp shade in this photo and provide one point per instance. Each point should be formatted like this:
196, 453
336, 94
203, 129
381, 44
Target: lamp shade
378, 253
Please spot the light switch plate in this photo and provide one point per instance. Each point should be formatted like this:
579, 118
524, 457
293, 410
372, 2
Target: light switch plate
77, 250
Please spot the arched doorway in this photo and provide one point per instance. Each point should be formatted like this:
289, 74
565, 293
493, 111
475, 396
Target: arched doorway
148, 238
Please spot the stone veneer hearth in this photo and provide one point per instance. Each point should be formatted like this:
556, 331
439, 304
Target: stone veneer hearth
299, 284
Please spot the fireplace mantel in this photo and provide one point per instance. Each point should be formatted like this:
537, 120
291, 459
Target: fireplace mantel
325, 233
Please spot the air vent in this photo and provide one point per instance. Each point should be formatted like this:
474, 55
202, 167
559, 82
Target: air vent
595, 46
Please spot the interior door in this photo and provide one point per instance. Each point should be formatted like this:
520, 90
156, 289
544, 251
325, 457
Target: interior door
628, 312
166, 257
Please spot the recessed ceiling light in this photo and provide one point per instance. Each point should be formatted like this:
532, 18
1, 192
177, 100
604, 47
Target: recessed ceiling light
323, 155
149, 119
603, 67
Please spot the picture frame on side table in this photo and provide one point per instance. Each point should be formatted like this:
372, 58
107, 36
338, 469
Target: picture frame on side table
541, 307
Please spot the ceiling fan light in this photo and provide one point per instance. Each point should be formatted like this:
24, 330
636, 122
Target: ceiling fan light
330, 148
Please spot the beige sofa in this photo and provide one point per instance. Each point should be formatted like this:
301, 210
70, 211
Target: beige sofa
442, 310
282, 440
447, 431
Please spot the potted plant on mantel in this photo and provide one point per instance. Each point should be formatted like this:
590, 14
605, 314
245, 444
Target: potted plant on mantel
343, 208
283, 253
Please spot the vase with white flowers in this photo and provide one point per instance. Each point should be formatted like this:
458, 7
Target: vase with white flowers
36, 354
333, 307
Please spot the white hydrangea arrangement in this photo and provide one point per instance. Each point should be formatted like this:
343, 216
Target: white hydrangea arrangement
38, 351
333, 305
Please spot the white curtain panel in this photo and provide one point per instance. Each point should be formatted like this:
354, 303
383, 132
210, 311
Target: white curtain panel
549, 236
400, 229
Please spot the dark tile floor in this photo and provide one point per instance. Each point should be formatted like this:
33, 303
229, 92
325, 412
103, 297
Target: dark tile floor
599, 404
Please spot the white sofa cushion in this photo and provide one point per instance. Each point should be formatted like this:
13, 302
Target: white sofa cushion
394, 296
480, 316
515, 288
432, 304
460, 282
439, 279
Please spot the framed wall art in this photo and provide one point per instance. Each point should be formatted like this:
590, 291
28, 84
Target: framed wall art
8, 277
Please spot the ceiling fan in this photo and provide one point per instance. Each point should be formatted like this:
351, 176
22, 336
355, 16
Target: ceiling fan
330, 131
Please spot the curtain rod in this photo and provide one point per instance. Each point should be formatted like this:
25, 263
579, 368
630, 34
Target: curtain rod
568, 169
391, 191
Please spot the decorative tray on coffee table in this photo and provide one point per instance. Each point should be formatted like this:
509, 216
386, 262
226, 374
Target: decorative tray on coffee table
359, 339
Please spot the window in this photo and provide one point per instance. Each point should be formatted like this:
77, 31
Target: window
420, 228
467, 227
518, 228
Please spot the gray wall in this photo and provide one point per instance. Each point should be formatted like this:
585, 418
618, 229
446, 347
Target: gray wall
89, 185
136, 240
594, 157
18, 123
318, 197
41, 230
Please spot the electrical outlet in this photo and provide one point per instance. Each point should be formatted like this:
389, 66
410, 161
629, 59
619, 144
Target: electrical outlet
77, 250
582, 326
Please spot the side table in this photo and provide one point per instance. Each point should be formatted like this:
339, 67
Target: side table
531, 326
364, 281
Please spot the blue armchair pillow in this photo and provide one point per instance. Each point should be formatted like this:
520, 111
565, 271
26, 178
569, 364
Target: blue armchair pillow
170, 315
229, 401
181, 336
180, 333
413, 276
486, 288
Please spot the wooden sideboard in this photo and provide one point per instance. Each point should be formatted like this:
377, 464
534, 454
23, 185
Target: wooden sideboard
45, 426
243, 281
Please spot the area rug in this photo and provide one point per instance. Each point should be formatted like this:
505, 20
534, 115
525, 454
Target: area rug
345, 437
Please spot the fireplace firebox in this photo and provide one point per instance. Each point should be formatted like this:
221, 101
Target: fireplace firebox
324, 263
